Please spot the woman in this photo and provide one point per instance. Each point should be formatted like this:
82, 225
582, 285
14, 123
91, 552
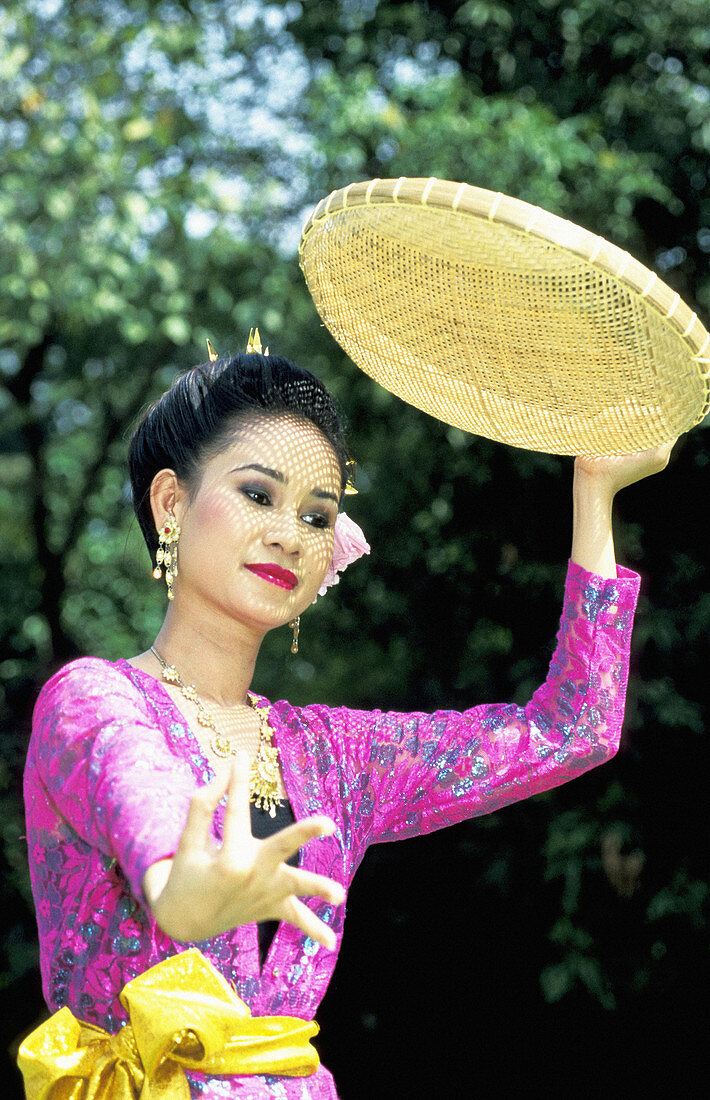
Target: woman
168, 806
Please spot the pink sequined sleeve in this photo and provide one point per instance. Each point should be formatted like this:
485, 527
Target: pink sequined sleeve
106, 769
403, 774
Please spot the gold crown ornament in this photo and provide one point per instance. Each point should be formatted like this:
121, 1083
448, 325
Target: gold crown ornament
254, 343
350, 490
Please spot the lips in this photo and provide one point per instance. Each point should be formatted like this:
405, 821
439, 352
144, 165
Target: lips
283, 578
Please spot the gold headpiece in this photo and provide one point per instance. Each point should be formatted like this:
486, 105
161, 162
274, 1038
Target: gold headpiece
254, 343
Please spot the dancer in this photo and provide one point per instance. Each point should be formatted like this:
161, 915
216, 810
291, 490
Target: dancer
169, 806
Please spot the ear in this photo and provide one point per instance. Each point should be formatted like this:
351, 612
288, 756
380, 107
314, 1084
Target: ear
166, 495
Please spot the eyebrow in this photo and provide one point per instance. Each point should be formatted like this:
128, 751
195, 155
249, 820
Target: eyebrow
275, 474
322, 494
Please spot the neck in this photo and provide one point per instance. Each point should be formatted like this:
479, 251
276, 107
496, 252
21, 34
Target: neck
218, 658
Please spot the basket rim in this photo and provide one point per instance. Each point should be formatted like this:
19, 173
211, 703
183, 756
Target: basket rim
469, 201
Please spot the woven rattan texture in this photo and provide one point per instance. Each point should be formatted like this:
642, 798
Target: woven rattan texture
500, 330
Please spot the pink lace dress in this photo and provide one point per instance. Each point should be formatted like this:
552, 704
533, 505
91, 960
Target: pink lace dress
112, 765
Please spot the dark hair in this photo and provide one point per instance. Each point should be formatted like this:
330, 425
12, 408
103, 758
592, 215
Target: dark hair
198, 414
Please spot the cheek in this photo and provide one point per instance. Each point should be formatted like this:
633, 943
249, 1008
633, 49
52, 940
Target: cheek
218, 518
321, 556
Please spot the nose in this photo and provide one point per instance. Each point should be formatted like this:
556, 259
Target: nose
283, 530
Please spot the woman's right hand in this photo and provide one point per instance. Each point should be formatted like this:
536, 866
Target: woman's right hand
207, 888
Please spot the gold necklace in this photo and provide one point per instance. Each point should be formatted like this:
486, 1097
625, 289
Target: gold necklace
264, 774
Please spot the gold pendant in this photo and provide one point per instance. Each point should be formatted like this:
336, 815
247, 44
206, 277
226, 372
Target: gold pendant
221, 746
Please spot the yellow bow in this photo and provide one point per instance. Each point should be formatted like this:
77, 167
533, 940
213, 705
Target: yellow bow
183, 1015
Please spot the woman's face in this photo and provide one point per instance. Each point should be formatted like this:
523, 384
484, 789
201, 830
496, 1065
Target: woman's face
257, 535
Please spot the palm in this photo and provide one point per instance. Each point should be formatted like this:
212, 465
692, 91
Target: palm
212, 888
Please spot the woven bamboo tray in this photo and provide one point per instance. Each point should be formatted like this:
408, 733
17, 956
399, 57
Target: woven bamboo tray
505, 320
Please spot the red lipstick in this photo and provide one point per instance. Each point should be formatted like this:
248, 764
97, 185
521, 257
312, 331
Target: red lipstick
284, 578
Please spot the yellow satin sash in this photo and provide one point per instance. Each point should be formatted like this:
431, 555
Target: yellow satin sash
183, 1015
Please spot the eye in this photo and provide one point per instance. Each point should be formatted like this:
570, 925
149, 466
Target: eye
257, 494
317, 519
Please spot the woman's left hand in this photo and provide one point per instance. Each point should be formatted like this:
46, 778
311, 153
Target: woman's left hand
615, 472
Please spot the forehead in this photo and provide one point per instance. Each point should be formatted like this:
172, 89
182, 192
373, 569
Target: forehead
286, 443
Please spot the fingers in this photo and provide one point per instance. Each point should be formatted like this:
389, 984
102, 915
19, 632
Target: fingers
237, 815
283, 844
650, 461
199, 816
302, 917
309, 884
663, 454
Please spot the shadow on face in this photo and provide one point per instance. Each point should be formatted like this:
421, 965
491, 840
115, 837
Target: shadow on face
257, 530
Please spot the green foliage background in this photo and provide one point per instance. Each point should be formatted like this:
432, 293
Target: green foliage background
158, 161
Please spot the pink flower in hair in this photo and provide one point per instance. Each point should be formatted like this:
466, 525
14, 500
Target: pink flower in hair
349, 544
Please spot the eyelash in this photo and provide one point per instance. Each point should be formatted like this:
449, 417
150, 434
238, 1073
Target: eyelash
322, 521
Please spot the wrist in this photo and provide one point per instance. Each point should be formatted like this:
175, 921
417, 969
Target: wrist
592, 538
593, 488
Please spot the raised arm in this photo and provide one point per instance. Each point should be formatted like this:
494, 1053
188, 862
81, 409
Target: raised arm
407, 774
410, 773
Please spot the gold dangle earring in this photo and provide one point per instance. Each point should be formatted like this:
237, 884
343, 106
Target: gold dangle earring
166, 554
295, 625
